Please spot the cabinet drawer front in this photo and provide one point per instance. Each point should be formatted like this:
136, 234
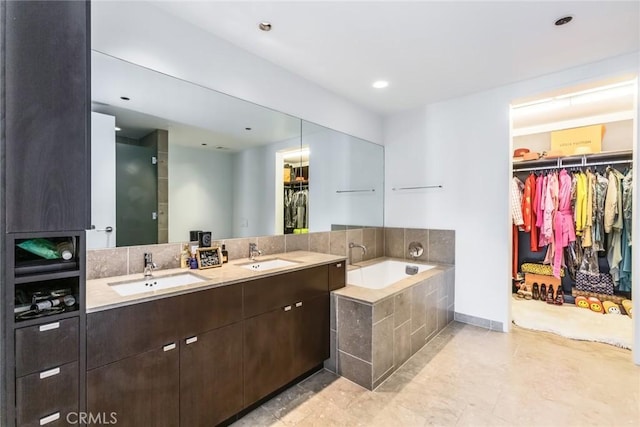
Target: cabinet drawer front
337, 275
263, 295
210, 309
123, 332
46, 346
41, 395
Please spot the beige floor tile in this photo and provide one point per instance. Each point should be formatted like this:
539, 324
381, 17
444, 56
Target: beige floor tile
468, 376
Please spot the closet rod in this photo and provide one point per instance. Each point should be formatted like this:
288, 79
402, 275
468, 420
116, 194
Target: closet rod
603, 163
356, 191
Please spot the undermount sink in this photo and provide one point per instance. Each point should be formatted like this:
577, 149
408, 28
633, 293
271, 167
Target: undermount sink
267, 264
148, 284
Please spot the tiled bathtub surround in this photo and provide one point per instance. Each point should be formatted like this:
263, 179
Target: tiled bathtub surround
128, 260
439, 245
374, 338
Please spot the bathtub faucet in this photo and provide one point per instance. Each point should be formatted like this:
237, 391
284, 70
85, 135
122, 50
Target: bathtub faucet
353, 245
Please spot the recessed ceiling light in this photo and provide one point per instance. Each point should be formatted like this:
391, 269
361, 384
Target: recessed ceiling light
204, 143
380, 84
564, 20
247, 128
118, 129
220, 147
265, 26
125, 98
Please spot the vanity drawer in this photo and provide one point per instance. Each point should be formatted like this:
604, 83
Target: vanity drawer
47, 396
270, 293
46, 346
337, 275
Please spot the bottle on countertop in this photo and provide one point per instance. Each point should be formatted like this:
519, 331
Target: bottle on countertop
184, 256
225, 255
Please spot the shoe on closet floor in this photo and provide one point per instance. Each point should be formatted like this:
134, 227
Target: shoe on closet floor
543, 292
581, 302
550, 295
595, 305
536, 291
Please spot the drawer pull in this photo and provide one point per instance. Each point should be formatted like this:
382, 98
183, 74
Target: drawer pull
49, 326
169, 347
287, 308
299, 304
339, 265
49, 373
191, 340
50, 418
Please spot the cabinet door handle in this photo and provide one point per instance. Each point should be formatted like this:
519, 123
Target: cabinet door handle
191, 340
169, 347
49, 418
49, 373
299, 304
339, 265
287, 308
49, 326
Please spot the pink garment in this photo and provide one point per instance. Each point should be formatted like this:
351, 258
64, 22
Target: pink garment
543, 241
563, 222
550, 205
538, 199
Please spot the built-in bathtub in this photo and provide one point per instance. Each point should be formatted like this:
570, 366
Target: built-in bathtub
384, 316
383, 274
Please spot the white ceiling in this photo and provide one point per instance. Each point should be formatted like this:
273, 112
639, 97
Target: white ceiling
428, 51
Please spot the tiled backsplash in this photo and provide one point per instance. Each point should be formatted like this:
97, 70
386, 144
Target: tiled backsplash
439, 246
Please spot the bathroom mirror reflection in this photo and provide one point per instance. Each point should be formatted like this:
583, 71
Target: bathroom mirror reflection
186, 158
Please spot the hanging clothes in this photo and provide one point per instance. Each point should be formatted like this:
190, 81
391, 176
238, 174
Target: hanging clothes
587, 237
614, 205
598, 222
563, 222
627, 202
528, 210
550, 208
517, 188
581, 202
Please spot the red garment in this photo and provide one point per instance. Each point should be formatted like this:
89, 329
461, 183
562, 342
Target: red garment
529, 211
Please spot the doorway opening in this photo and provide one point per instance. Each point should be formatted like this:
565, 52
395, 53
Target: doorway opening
572, 211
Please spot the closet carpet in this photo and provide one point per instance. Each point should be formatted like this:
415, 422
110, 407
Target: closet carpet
469, 376
573, 322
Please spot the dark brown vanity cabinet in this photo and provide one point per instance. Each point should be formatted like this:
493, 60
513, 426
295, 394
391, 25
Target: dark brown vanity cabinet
142, 390
211, 376
286, 329
200, 358
169, 362
337, 275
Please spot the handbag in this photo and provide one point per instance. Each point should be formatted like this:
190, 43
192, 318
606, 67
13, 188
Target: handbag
601, 283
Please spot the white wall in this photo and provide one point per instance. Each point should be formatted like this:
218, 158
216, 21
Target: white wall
146, 35
342, 162
254, 201
103, 181
464, 144
200, 196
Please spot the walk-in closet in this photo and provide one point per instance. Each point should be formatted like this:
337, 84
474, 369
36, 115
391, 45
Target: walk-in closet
571, 196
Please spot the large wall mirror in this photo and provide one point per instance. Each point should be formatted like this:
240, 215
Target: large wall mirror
170, 157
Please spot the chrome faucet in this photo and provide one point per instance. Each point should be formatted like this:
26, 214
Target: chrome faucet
149, 265
354, 245
254, 251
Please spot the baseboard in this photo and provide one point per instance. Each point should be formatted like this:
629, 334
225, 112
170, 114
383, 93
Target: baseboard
478, 321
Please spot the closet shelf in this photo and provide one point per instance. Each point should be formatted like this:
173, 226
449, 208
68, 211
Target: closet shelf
596, 159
